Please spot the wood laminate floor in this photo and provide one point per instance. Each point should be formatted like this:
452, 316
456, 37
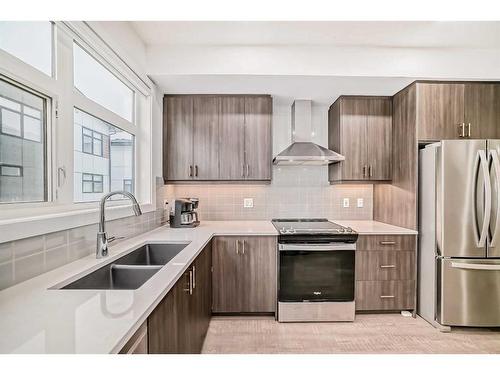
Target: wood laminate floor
369, 333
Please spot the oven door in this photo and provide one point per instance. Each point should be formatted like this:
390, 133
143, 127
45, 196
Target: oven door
316, 272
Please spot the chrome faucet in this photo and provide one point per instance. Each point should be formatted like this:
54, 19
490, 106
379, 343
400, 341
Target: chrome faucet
102, 238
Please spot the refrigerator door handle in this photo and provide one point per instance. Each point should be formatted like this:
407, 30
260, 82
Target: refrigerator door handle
496, 165
476, 266
487, 198
481, 161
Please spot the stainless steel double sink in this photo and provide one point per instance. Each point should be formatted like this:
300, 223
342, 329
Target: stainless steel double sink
131, 270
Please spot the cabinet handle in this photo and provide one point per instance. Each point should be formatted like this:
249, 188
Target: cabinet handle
364, 170
237, 246
388, 242
388, 266
244, 242
243, 170
194, 277
386, 296
370, 171
468, 130
190, 171
196, 171
190, 285
248, 170
461, 130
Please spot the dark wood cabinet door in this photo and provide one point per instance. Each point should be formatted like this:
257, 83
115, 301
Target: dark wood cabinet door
440, 110
354, 136
201, 301
379, 138
258, 137
258, 276
206, 137
168, 323
232, 138
177, 138
482, 110
227, 268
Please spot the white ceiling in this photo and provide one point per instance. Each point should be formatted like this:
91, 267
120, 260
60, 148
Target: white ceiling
336, 33
322, 90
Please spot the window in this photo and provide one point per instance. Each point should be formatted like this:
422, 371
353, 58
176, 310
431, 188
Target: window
11, 170
92, 142
22, 145
103, 150
92, 183
30, 42
97, 83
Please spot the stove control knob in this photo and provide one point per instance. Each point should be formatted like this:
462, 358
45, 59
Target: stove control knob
349, 230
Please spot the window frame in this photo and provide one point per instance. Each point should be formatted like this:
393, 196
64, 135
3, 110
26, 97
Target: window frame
59, 211
47, 116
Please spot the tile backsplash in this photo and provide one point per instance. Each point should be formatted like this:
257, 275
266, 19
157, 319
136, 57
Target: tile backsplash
23, 259
29, 257
294, 192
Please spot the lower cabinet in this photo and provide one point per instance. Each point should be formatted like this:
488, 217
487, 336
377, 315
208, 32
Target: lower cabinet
244, 274
138, 343
179, 323
385, 272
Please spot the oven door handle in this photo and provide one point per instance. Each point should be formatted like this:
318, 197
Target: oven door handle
317, 247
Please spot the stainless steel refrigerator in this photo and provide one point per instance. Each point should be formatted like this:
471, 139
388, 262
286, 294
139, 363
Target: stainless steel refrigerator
459, 233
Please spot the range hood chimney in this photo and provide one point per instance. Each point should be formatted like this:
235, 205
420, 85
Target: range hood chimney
302, 151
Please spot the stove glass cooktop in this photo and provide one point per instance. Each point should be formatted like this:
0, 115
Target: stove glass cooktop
309, 226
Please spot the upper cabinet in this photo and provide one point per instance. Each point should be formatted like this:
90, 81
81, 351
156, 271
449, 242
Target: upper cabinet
360, 128
457, 110
217, 138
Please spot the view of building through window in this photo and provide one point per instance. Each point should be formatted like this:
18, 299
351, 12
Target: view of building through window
22, 145
103, 158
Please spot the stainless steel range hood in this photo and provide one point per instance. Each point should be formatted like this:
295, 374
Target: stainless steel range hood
302, 151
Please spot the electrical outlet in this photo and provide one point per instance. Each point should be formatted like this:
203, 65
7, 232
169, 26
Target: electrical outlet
360, 202
165, 204
346, 202
248, 202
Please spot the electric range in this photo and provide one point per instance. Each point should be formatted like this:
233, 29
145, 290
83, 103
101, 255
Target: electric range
316, 264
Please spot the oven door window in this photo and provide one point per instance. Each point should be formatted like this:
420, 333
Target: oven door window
316, 276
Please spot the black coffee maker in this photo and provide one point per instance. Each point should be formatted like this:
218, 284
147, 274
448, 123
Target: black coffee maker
183, 213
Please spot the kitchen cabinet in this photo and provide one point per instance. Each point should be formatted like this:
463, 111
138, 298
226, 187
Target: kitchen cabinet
179, 323
232, 138
138, 343
217, 138
258, 140
178, 138
360, 128
385, 272
457, 110
244, 274
205, 138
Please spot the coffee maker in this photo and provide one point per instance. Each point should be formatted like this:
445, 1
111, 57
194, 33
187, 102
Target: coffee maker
183, 213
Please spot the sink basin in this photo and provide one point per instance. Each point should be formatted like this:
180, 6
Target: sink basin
130, 271
115, 276
152, 254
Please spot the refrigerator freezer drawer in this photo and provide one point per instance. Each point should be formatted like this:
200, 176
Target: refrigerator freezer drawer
468, 292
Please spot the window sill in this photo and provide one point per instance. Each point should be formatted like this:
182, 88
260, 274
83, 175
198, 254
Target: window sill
54, 219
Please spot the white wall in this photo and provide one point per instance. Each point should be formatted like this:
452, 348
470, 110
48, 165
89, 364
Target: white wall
443, 63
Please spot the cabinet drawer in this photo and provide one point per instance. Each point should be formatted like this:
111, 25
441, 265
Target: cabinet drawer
382, 265
386, 242
385, 295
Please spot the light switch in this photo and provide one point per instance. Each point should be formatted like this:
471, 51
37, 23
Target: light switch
346, 202
248, 202
360, 202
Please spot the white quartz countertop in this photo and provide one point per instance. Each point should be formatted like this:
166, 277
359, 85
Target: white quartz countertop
374, 227
37, 319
